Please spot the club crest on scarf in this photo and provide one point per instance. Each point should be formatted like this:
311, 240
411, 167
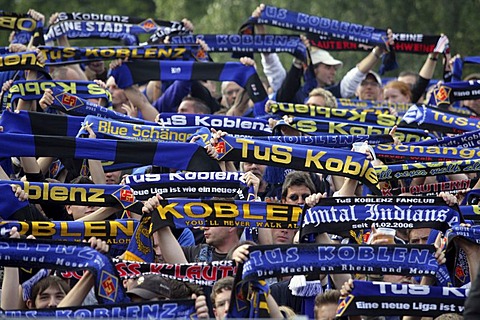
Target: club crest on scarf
414, 114
342, 306
442, 95
124, 196
68, 101
108, 287
148, 25
222, 148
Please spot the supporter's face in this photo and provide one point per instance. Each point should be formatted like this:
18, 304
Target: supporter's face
326, 312
419, 236
257, 169
186, 107
395, 96
297, 195
49, 298
283, 236
113, 177
214, 236
325, 74
222, 301
97, 66
118, 95
230, 93
369, 89
78, 212
316, 101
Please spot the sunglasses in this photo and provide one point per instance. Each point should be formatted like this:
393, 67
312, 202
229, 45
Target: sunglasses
370, 83
295, 197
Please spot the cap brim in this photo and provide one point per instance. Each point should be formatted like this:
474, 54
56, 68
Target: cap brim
333, 62
142, 293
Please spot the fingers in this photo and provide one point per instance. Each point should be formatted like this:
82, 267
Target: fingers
47, 99
14, 234
100, 83
188, 24
201, 307
268, 106
240, 255
347, 288
151, 204
19, 193
313, 199
98, 244
216, 135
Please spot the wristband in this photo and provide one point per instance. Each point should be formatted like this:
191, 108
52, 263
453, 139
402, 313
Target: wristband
375, 53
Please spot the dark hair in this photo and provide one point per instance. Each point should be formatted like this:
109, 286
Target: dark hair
82, 180
45, 283
222, 284
326, 297
297, 178
199, 105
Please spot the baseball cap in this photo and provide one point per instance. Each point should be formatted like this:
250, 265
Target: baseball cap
151, 286
322, 56
376, 76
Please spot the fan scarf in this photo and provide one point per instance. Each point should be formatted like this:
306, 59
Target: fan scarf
188, 213
240, 126
267, 261
298, 21
111, 129
447, 93
314, 159
246, 44
34, 89
194, 157
419, 116
425, 153
188, 185
171, 309
339, 215
116, 233
395, 299
66, 255
472, 233
313, 127
70, 55
201, 273
139, 72
432, 189
376, 106
404, 42
303, 110
330, 141
22, 61
74, 105
425, 169
87, 25
24, 26
464, 140
38, 123
80, 194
